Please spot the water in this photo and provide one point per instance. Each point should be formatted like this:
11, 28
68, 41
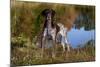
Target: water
80, 36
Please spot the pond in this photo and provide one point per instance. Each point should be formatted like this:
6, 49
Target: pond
80, 36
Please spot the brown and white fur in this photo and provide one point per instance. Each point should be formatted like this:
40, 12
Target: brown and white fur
50, 29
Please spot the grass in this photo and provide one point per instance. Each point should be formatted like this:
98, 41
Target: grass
31, 56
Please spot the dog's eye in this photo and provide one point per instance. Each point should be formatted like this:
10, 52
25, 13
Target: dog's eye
49, 17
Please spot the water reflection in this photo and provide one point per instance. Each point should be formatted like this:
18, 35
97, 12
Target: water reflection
80, 36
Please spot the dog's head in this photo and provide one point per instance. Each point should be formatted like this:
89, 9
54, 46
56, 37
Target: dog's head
47, 12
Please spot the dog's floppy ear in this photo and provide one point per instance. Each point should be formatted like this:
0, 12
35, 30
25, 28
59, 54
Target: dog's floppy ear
53, 13
44, 12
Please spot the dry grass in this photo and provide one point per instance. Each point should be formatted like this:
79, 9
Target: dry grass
32, 56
